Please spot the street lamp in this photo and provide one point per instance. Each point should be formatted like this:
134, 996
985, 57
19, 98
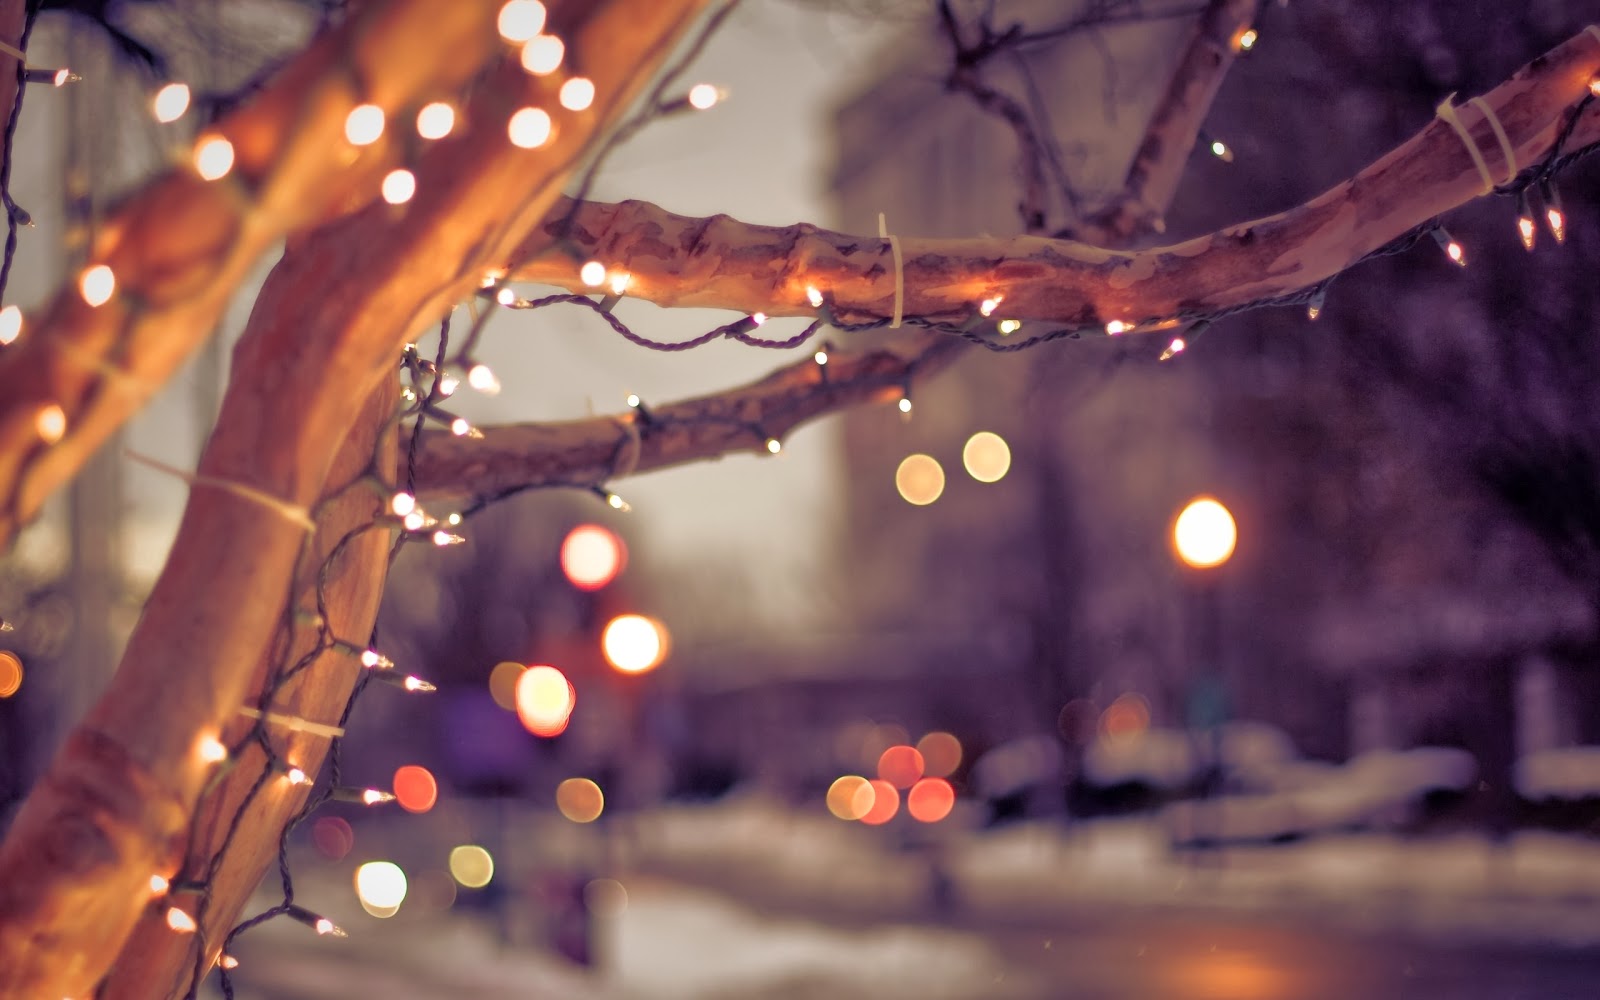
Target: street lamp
1203, 536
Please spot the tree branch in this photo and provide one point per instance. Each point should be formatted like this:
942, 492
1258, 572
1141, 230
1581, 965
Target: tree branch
719, 262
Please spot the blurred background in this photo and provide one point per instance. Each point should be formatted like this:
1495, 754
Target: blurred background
971, 701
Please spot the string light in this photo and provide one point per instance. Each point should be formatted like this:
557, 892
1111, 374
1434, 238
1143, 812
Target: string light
482, 378
1173, 349
592, 274
399, 186
1314, 307
415, 521
374, 660
821, 358
758, 318
1009, 326
814, 296
405, 682
506, 297
774, 445
530, 128
10, 324
620, 282
612, 500
55, 77
1220, 150
96, 284
159, 885
212, 750
361, 796
542, 55
170, 102
461, 427
904, 404
1525, 226
704, 96
1245, 40
1554, 217
402, 504
295, 776
180, 920
1448, 244
443, 538
577, 93
987, 307
520, 20
1594, 86
448, 384
1117, 326
322, 925
364, 125
436, 120
228, 961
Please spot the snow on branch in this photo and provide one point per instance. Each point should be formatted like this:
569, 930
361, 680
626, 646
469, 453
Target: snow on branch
719, 262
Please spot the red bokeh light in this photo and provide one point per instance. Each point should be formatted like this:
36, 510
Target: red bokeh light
900, 766
415, 789
333, 837
592, 556
930, 800
885, 803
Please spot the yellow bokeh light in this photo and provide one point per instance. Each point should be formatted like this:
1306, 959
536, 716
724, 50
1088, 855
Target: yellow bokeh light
580, 800
364, 125
1204, 533
10, 674
503, 684
545, 700
592, 556
213, 158
542, 55
634, 644
920, 479
399, 186
471, 865
850, 797
436, 120
987, 457
170, 102
529, 128
51, 423
941, 754
10, 324
381, 887
577, 93
96, 284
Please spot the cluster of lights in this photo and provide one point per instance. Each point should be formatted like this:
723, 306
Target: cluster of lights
921, 771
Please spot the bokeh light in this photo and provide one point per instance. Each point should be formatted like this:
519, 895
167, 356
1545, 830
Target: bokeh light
941, 754
592, 556
10, 674
545, 700
1204, 533
606, 896
436, 120
471, 865
415, 788
930, 800
577, 93
885, 803
1128, 716
987, 457
920, 479
900, 766
381, 887
580, 800
530, 128
542, 56
850, 797
634, 644
503, 684
333, 837
170, 102
1077, 721
213, 158
520, 20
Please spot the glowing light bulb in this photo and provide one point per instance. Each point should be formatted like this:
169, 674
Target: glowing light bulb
213, 158
296, 776
417, 685
616, 503
1526, 230
448, 384
10, 324
821, 357
1220, 150
364, 125
1245, 40
704, 96
180, 921
774, 445
228, 962
1116, 326
374, 660
529, 128
402, 504
506, 297
436, 120
577, 93
414, 521
1451, 248
1173, 349
482, 378
1008, 326
592, 274
159, 884
1594, 86
905, 404
170, 103
399, 186
620, 282
813, 296
1314, 307
987, 307
51, 423
542, 55
460, 427
758, 318
96, 284
1557, 222
520, 20
443, 538
212, 750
